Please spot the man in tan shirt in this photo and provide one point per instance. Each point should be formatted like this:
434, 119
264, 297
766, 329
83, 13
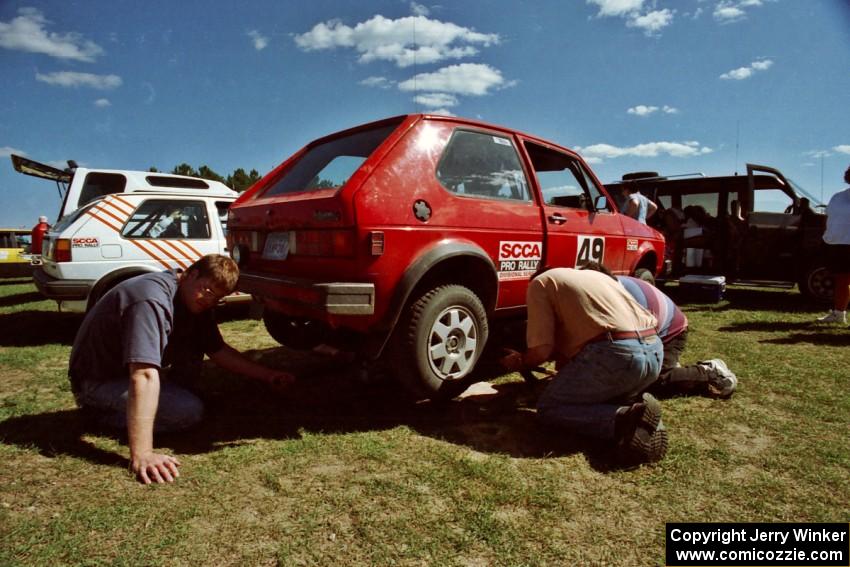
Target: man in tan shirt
606, 352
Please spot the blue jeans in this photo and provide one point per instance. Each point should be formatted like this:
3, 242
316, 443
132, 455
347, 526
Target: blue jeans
587, 392
178, 408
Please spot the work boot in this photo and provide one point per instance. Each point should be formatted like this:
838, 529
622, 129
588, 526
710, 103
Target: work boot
640, 432
834, 316
721, 381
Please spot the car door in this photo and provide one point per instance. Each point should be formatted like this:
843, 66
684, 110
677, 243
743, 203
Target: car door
580, 227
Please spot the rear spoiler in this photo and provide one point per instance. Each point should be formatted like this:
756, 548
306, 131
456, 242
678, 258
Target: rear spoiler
36, 169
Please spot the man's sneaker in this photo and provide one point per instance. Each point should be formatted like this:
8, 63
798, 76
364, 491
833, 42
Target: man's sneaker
721, 381
640, 432
834, 316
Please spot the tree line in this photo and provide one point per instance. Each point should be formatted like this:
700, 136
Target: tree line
239, 180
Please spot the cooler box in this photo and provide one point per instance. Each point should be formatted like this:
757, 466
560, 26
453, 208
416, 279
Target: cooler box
707, 289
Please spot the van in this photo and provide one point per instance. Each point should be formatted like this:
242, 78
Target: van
754, 229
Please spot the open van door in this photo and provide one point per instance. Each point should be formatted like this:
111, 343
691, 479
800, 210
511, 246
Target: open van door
36, 169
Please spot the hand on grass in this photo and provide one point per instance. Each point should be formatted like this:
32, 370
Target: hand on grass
512, 360
154, 467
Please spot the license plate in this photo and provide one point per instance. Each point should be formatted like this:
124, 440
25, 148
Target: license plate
277, 246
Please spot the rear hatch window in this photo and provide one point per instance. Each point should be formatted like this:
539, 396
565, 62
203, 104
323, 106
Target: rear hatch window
330, 164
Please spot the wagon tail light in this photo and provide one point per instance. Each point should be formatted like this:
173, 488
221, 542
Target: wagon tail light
62, 250
322, 243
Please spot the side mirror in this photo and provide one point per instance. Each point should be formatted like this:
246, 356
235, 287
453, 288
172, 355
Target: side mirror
601, 203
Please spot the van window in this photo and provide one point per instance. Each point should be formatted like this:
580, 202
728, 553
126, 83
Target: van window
164, 219
330, 164
707, 201
100, 184
476, 164
771, 201
222, 207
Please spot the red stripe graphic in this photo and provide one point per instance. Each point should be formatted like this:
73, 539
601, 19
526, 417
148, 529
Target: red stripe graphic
164, 251
180, 251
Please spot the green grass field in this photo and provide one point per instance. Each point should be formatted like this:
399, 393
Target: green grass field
338, 472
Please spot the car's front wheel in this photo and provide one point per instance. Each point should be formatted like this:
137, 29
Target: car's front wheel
816, 282
444, 335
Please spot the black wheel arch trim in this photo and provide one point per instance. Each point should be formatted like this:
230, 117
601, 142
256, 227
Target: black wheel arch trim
419, 268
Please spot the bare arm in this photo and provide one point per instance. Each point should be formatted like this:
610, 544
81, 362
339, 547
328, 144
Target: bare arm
232, 360
632, 208
142, 401
651, 207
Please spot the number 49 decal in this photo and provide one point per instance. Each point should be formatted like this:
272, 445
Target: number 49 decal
590, 249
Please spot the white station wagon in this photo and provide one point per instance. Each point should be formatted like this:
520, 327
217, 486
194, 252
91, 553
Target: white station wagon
120, 236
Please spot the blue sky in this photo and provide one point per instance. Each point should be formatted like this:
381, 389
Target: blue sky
674, 86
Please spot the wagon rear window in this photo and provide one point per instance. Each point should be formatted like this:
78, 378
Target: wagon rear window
330, 164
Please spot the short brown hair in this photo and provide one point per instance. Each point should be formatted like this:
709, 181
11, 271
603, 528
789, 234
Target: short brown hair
222, 271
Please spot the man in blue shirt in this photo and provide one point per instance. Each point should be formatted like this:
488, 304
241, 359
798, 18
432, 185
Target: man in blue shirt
139, 329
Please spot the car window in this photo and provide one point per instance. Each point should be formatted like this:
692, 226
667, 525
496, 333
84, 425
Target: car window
563, 182
331, 163
100, 184
771, 201
164, 219
478, 164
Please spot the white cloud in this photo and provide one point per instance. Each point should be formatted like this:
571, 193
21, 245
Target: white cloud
646, 110
616, 7
842, 149
383, 39
260, 41
419, 9
6, 151
75, 79
642, 110
435, 100
441, 111
102, 103
26, 33
742, 73
474, 79
730, 11
651, 22
818, 154
650, 149
378, 82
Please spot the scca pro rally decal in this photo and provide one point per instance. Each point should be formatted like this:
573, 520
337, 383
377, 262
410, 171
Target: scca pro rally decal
518, 260
590, 249
631, 245
85, 242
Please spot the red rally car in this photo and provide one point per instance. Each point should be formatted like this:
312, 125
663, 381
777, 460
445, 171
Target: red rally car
404, 238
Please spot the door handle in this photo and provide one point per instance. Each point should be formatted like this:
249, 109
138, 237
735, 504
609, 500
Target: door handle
557, 218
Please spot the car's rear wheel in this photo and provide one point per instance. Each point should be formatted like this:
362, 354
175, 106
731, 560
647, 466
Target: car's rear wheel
816, 283
444, 336
294, 332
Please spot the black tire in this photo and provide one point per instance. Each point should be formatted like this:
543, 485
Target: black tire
443, 337
645, 275
294, 332
816, 283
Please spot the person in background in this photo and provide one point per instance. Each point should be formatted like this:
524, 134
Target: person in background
638, 206
837, 239
606, 353
119, 365
707, 377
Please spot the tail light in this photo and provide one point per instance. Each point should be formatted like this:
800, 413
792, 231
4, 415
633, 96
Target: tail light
62, 250
322, 243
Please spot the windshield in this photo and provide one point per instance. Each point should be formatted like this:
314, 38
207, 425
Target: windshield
814, 201
331, 164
